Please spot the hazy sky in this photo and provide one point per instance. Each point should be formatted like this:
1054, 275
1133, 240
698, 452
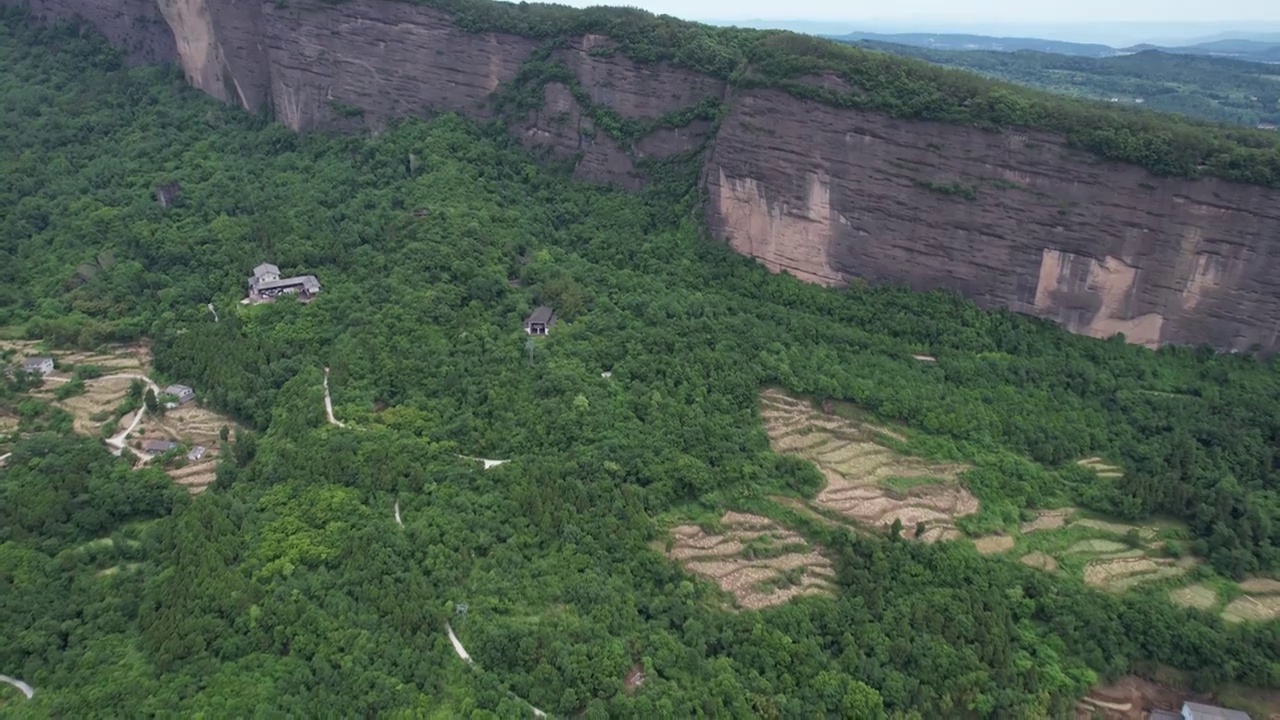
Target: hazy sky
985, 11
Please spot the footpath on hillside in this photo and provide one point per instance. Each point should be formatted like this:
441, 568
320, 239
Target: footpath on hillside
23, 688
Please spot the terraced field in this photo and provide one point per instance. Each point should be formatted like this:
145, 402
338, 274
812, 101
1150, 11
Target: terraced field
868, 483
761, 563
1120, 571
1198, 596
1110, 555
192, 425
1259, 603
93, 409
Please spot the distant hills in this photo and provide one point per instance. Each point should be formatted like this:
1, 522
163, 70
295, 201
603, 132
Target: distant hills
958, 41
1115, 35
1203, 86
1256, 50
1263, 47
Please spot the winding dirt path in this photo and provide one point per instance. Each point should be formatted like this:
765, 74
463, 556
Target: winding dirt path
23, 688
398, 520
328, 402
117, 441
4, 457
215, 312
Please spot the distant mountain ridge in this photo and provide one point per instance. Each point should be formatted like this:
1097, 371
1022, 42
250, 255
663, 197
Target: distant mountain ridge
1260, 47
960, 41
1255, 50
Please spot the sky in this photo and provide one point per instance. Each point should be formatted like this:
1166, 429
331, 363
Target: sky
1008, 11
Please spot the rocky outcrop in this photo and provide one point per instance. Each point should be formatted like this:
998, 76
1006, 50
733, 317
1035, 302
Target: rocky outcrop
1014, 219
136, 26
634, 91
379, 60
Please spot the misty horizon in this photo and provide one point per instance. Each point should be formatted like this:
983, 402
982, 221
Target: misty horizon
1112, 22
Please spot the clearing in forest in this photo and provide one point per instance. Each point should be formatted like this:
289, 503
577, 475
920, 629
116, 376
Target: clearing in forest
191, 426
1101, 467
1198, 596
993, 544
868, 482
1259, 603
1047, 520
96, 410
8, 428
1040, 560
761, 563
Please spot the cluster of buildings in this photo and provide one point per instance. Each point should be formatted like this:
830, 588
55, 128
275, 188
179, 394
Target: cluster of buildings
265, 285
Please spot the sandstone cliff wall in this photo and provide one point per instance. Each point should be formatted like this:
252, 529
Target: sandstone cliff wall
1015, 219
136, 26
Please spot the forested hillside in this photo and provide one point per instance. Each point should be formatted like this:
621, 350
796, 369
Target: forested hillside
316, 577
1207, 88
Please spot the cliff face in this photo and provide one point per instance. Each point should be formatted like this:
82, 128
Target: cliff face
1015, 220
637, 92
1011, 220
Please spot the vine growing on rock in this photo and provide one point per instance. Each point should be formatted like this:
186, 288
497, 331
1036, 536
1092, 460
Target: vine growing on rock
525, 94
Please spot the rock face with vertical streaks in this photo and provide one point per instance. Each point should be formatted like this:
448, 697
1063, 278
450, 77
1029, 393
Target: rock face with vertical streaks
1015, 220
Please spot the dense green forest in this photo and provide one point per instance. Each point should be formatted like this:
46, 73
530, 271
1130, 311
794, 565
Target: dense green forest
289, 587
906, 87
1198, 86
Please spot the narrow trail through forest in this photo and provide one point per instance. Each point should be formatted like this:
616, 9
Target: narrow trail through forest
466, 658
4, 457
398, 520
328, 411
328, 402
23, 688
214, 311
457, 645
487, 463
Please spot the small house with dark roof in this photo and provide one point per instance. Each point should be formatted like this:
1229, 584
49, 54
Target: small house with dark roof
266, 272
541, 321
158, 446
42, 365
182, 394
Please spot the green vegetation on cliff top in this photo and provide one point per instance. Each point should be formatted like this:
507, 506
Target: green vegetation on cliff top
1209, 88
289, 587
1166, 145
